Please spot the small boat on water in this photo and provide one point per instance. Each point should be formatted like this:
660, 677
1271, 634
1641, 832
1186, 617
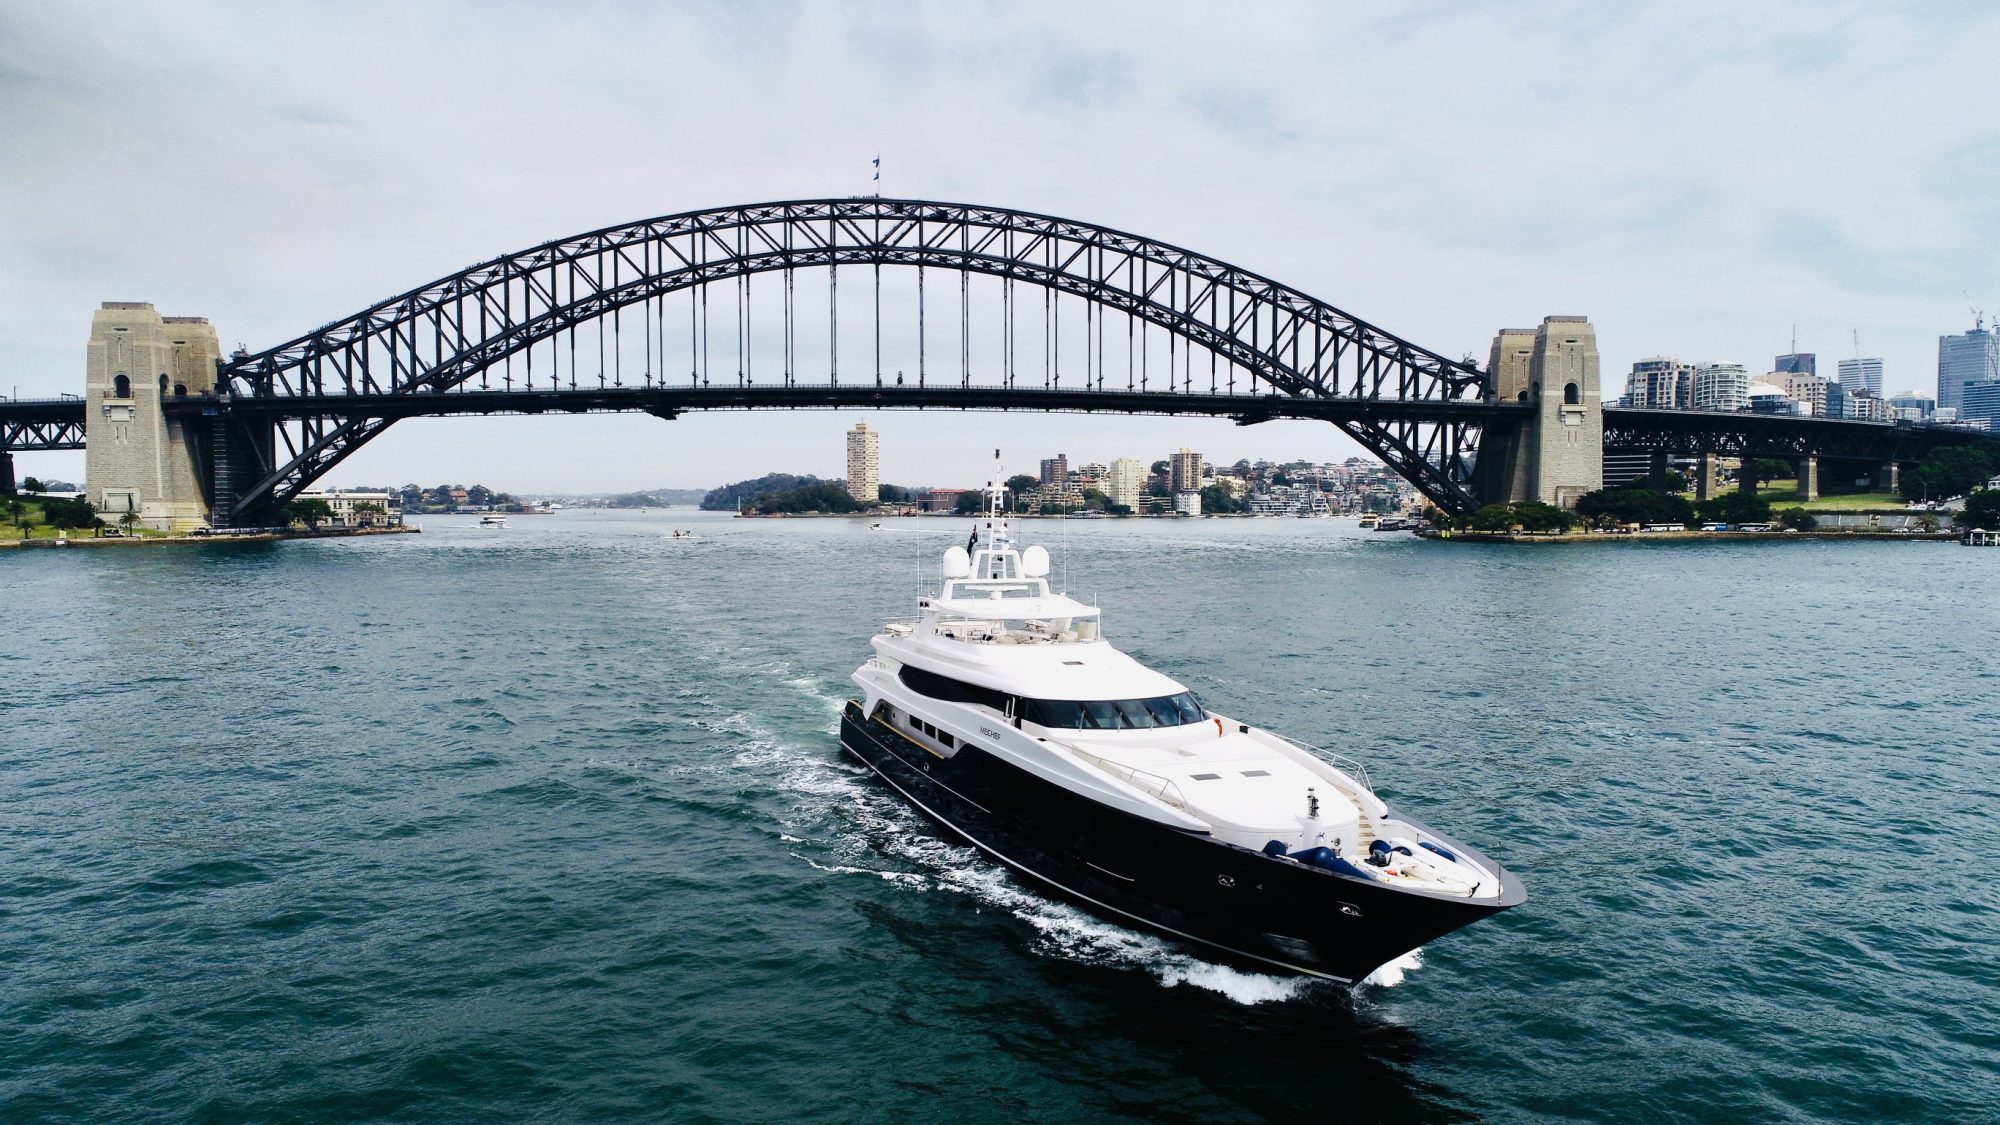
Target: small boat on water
493, 521
1004, 714
1371, 522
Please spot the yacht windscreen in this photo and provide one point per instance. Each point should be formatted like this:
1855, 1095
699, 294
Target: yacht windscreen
1114, 714
1065, 714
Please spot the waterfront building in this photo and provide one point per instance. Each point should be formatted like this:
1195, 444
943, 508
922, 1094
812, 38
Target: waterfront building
1125, 483
864, 464
1184, 472
1187, 503
1661, 383
1796, 363
942, 499
1862, 373
1980, 401
1721, 386
1971, 357
357, 508
1913, 407
1055, 470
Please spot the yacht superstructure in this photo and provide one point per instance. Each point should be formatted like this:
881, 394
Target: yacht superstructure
1003, 713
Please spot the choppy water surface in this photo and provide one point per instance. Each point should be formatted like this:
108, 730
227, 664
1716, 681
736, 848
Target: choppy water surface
551, 823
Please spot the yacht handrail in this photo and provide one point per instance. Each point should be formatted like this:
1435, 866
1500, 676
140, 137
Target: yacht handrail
1347, 764
1153, 783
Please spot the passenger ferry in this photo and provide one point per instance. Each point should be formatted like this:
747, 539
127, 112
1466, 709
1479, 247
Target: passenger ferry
1004, 714
493, 521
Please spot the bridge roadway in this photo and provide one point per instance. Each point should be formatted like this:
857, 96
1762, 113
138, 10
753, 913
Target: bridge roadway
28, 425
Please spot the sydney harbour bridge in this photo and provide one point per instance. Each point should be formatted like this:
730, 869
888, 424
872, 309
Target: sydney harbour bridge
782, 306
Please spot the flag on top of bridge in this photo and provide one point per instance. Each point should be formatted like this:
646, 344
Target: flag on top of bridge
878, 167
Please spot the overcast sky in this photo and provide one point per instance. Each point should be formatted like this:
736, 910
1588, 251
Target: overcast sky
1697, 179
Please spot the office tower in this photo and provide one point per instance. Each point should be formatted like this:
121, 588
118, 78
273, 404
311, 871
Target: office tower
1862, 373
1796, 363
1972, 357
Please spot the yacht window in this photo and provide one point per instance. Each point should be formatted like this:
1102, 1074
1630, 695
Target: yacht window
1114, 714
950, 690
946, 740
1206, 776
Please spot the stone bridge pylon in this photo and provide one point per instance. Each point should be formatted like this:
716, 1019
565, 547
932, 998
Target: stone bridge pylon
1556, 453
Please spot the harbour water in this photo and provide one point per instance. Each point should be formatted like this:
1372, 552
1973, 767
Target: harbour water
551, 823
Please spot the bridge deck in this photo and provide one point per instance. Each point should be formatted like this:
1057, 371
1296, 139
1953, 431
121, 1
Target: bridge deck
669, 401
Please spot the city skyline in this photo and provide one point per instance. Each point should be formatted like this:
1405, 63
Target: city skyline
302, 189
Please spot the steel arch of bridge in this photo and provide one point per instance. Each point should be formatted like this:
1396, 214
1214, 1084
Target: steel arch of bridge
434, 338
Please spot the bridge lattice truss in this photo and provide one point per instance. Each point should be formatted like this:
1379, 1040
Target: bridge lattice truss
41, 424
1284, 353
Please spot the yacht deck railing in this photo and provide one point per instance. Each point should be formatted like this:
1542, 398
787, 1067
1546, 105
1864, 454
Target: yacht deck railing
1160, 787
1346, 764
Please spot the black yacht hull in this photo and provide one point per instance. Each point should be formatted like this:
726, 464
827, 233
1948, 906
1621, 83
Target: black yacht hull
1274, 914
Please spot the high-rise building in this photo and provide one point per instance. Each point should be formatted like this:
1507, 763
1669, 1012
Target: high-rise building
864, 464
1980, 402
1839, 400
1185, 471
1055, 470
1809, 391
1125, 482
1796, 363
1661, 383
1721, 386
1972, 357
1862, 373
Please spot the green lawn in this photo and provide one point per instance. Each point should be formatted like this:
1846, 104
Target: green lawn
31, 517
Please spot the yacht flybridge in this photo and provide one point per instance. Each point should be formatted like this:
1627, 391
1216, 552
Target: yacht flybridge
1004, 714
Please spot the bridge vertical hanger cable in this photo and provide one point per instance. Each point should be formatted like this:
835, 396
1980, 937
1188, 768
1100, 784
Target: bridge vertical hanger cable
964, 324
1233, 327
920, 308
1145, 327
876, 248
1049, 341
653, 314
833, 315
1055, 347
484, 368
